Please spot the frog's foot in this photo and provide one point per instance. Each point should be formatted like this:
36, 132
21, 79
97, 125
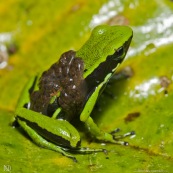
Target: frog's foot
104, 136
117, 137
14, 123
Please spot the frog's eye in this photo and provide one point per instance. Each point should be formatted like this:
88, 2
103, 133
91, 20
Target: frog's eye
120, 51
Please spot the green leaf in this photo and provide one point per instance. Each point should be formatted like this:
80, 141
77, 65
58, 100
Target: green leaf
33, 35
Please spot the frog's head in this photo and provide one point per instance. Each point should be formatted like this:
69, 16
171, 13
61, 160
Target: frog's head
105, 49
110, 40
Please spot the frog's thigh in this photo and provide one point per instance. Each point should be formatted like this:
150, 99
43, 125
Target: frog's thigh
41, 141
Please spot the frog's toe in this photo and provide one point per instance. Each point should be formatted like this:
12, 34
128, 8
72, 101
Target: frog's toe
116, 137
115, 131
121, 142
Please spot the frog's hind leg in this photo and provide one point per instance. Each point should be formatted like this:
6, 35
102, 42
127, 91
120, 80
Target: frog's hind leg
42, 142
24, 100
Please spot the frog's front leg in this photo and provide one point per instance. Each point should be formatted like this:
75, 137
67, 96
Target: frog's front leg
93, 128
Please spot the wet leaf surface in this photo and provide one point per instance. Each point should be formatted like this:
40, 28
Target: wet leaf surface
33, 36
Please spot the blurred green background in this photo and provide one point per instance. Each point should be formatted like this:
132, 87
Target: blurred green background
33, 35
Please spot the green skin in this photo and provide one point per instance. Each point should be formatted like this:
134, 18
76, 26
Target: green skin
103, 42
